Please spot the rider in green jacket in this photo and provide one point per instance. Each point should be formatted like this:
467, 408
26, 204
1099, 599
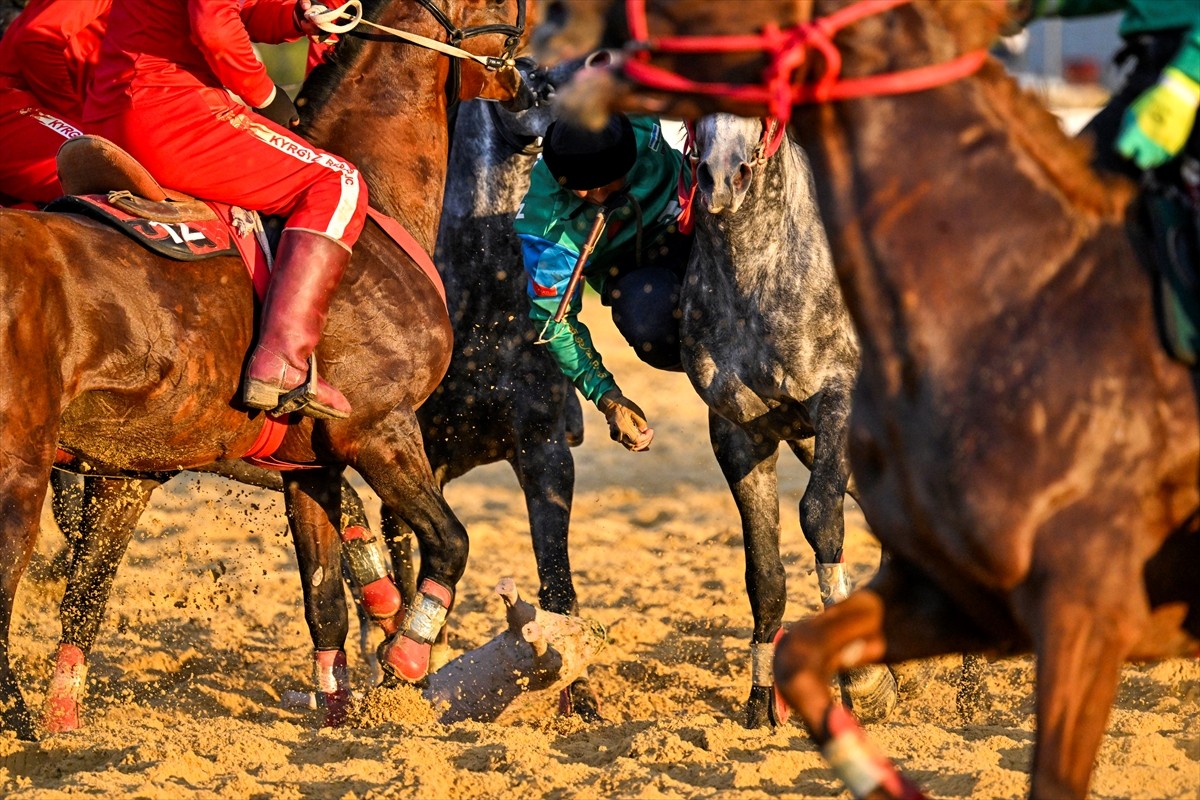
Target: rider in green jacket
1151, 120
631, 172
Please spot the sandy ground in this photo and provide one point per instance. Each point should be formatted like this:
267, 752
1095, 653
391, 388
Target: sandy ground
205, 630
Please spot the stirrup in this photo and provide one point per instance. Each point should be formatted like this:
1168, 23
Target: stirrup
304, 398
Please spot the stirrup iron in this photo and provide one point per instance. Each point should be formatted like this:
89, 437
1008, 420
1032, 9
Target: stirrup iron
302, 395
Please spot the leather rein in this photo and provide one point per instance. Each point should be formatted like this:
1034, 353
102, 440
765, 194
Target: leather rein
787, 50
330, 21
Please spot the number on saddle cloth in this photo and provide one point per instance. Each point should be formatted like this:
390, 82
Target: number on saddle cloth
103, 182
1172, 215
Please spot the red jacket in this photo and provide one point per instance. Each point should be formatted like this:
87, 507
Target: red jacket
184, 44
50, 51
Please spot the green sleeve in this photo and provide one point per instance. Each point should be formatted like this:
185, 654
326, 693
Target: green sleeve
570, 343
1187, 60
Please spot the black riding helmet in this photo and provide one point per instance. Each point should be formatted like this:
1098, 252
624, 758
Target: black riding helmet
582, 159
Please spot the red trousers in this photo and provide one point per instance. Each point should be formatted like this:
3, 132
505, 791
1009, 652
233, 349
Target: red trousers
29, 140
203, 143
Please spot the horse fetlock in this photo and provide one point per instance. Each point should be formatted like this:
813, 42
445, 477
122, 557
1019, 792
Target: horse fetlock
68, 685
870, 691
833, 583
380, 597
407, 654
333, 685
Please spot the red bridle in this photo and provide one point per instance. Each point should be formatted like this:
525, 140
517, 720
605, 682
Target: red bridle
786, 51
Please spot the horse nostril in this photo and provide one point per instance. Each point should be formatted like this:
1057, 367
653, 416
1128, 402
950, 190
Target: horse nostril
599, 59
704, 180
742, 180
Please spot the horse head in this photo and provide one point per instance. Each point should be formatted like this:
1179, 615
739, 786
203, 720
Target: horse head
684, 58
728, 151
525, 121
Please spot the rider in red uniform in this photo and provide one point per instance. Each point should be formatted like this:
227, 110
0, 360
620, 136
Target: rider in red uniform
46, 61
161, 91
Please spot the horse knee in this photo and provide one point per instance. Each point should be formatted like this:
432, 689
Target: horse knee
823, 526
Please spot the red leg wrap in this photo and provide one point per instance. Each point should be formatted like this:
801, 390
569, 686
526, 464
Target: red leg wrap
333, 682
64, 698
407, 654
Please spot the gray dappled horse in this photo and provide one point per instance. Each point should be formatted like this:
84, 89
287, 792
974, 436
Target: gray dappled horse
769, 346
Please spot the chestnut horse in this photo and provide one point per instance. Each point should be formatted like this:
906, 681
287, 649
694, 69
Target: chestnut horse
1026, 451
132, 362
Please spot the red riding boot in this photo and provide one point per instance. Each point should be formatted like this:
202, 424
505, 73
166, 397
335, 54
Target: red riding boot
308, 267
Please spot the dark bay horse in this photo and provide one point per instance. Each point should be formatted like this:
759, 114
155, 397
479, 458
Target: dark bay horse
503, 398
769, 346
1025, 449
131, 362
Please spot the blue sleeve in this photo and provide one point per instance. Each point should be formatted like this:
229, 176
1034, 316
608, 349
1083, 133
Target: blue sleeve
549, 267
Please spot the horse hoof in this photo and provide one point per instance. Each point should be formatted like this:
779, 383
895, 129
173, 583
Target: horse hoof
405, 659
579, 700
913, 676
759, 707
870, 692
333, 685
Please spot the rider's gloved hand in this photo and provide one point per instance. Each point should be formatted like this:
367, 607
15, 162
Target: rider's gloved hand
303, 19
280, 109
1157, 125
626, 422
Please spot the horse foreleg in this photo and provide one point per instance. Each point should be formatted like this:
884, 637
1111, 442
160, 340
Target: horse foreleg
1084, 622
400, 540
314, 503
749, 468
23, 482
111, 509
546, 473
870, 691
395, 465
899, 616
355, 523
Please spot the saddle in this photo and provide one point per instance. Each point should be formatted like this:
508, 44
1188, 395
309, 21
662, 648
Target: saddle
1170, 212
103, 182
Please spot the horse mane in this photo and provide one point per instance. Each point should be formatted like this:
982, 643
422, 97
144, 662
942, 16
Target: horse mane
1065, 162
327, 76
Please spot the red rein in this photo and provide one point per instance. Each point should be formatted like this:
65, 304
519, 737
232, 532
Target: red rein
786, 51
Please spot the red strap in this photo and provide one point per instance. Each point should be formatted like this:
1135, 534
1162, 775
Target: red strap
786, 52
684, 194
270, 436
408, 244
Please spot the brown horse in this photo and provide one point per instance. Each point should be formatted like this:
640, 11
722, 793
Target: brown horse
132, 362
1026, 451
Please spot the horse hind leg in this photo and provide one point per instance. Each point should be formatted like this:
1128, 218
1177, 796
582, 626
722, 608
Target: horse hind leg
899, 616
110, 510
313, 500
